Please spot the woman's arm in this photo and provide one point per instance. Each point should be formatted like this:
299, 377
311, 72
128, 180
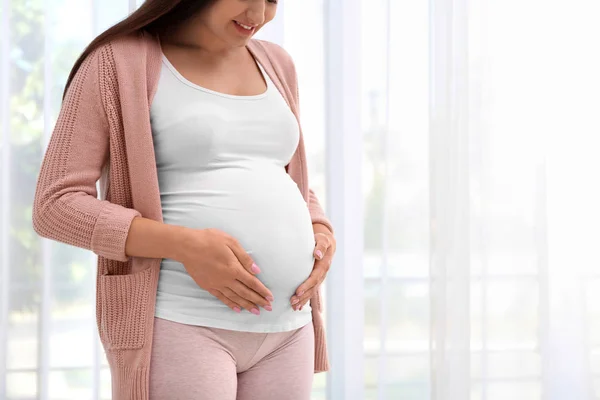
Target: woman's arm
65, 207
153, 239
317, 214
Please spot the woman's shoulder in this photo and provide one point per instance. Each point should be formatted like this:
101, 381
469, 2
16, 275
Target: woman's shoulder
122, 62
133, 45
131, 50
127, 56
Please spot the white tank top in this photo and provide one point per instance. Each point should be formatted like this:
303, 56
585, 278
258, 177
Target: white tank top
221, 164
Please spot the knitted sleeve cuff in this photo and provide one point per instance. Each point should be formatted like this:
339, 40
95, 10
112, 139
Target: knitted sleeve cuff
111, 230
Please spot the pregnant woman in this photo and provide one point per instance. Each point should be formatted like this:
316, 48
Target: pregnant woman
211, 245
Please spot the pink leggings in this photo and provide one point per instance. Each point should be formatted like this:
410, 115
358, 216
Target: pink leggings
190, 362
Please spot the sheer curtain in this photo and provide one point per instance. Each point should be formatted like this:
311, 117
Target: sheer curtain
453, 144
479, 133
514, 275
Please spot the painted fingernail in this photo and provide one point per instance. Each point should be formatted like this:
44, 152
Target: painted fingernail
301, 293
255, 311
295, 300
268, 308
319, 254
255, 268
237, 309
270, 298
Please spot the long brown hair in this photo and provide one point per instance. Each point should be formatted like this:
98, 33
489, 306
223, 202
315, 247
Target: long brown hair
154, 16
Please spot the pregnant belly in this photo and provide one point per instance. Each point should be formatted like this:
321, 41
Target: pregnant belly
262, 209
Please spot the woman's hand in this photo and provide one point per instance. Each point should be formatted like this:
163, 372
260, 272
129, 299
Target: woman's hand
324, 251
219, 264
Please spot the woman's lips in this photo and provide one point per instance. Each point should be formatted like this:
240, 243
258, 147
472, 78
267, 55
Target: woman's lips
243, 30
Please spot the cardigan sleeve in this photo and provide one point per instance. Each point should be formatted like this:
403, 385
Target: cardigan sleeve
317, 215
66, 207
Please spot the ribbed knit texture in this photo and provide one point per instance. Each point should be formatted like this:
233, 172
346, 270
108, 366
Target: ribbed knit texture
103, 134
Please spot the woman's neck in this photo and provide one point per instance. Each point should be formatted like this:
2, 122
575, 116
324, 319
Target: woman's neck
192, 37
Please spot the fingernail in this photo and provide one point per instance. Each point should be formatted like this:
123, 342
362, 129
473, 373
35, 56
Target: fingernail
270, 298
237, 309
319, 254
255, 268
255, 311
294, 301
268, 308
301, 293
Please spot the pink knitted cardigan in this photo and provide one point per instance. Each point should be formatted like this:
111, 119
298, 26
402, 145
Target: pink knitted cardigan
103, 134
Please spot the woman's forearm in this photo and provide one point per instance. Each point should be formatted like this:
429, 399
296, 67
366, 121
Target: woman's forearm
152, 239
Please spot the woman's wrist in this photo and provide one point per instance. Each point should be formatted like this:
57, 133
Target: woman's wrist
319, 227
182, 242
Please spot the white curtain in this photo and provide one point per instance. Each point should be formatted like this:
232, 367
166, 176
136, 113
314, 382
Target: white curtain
514, 133
480, 131
453, 144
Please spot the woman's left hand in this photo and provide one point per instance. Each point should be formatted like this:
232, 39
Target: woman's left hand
324, 251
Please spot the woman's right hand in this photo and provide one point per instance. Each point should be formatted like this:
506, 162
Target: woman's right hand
219, 264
